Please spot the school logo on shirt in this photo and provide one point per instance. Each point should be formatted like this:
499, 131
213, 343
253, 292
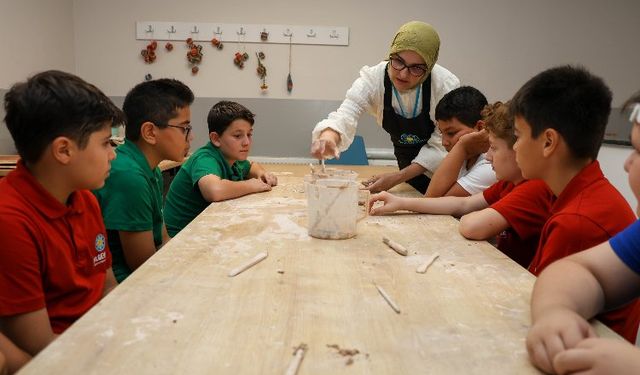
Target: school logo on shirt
100, 244
410, 139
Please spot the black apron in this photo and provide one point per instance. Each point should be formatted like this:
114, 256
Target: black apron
408, 135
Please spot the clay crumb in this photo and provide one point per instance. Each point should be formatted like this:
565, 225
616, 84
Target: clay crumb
345, 353
280, 271
175, 320
349, 361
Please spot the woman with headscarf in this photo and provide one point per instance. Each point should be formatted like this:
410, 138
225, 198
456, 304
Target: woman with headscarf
401, 93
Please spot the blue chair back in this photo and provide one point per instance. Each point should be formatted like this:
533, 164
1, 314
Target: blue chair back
356, 154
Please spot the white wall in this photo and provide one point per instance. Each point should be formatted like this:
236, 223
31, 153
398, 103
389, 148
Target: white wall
35, 35
494, 45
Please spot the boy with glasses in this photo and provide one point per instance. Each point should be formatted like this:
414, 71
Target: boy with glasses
158, 128
401, 94
218, 170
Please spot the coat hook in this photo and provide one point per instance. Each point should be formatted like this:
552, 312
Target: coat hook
288, 33
334, 34
241, 32
172, 30
149, 29
195, 29
311, 33
218, 30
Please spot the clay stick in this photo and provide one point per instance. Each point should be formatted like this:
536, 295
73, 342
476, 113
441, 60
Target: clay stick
298, 355
255, 260
395, 246
388, 299
423, 267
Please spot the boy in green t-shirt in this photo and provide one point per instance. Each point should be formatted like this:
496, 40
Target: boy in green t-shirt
158, 128
218, 170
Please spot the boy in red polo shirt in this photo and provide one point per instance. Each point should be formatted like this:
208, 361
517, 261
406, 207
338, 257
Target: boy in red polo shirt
560, 119
513, 209
54, 260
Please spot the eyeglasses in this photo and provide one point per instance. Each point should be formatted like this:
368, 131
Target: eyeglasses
416, 70
185, 129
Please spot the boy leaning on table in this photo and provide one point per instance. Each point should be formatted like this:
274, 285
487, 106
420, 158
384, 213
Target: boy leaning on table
464, 171
513, 209
55, 263
158, 128
607, 275
218, 170
560, 118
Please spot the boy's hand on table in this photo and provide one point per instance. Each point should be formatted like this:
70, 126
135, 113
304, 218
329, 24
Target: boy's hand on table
269, 178
475, 143
382, 182
391, 203
553, 333
599, 356
258, 185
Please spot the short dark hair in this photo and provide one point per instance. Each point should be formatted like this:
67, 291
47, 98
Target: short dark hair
570, 100
223, 113
52, 104
155, 101
464, 103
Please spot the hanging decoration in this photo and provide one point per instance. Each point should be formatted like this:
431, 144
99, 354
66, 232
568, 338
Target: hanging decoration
168, 47
240, 57
262, 71
149, 53
194, 56
216, 43
289, 80
264, 36
148, 77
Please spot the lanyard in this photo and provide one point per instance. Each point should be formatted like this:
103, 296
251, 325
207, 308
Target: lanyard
415, 106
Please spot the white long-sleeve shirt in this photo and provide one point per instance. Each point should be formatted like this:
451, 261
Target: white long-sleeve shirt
367, 95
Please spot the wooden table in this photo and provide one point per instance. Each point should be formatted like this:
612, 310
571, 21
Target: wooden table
181, 313
7, 164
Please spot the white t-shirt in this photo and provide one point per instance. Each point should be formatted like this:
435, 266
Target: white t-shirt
479, 177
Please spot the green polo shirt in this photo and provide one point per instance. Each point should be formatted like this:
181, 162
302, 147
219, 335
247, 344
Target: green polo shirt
131, 201
184, 201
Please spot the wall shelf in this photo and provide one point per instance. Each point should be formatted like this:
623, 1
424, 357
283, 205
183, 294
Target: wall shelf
243, 33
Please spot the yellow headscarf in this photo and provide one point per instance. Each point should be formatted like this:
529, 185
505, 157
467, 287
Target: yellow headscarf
419, 37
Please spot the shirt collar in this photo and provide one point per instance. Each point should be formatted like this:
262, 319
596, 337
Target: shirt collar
28, 186
230, 170
131, 149
586, 177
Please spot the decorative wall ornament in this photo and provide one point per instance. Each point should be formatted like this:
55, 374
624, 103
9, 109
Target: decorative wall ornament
149, 53
262, 71
194, 55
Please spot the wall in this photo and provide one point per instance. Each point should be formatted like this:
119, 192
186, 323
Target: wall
35, 35
495, 45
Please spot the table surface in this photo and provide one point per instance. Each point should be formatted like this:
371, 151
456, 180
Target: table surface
181, 313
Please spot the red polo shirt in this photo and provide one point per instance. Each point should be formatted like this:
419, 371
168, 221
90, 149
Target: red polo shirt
588, 212
526, 207
51, 256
